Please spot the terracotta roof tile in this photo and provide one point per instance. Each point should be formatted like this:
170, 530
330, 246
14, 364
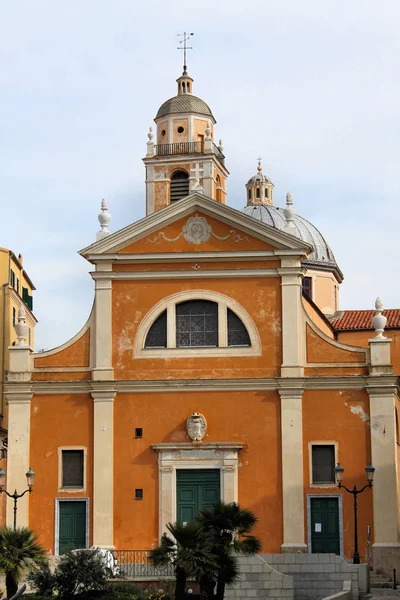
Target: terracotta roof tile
362, 319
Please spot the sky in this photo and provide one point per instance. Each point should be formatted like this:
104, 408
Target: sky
313, 87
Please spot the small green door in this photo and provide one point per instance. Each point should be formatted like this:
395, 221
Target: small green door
71, 525
325, 536
196, 489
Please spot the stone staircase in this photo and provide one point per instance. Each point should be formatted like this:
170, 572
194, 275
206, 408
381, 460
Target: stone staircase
379, 580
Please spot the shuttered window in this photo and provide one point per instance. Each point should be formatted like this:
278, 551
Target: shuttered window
179, 186
72, 468
323, 464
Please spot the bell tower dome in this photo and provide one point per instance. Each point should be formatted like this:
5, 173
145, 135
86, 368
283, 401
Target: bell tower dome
183, 153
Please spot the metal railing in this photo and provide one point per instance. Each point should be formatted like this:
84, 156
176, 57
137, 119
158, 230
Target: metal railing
185, 148
135, 564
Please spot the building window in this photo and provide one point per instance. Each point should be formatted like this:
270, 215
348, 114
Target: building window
17, 286
249, 194
237, 332
181, 129
258, 193
14, 315
72, 469
266, 192
12, 278
307, 287
323, 463
196, 324
157, 336
179, 186
138, 432
138, 494
27, 298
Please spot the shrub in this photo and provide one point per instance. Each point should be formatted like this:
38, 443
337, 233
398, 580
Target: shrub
79, 572
43, 580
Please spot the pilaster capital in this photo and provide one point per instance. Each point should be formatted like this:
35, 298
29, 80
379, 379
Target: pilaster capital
380, 391
18, 398
292, 393
103, 396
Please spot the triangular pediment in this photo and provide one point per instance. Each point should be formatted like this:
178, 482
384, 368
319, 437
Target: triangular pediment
195, 224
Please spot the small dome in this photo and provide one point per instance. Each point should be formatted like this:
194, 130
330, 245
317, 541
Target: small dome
274, 216
259, 178
184, 103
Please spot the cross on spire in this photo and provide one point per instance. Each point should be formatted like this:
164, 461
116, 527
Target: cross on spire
259, 168
184, 47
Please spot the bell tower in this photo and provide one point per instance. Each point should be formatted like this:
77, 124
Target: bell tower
182, 153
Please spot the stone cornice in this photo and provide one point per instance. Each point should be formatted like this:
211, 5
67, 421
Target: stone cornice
372, 383
165, 446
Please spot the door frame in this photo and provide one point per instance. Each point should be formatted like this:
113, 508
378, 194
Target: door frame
340, 515
194, 455
57, 522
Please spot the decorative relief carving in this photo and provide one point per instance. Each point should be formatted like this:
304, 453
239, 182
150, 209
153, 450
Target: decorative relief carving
196, 426
197, 230
176, 454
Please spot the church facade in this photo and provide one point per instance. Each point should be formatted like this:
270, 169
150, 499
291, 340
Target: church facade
215, 365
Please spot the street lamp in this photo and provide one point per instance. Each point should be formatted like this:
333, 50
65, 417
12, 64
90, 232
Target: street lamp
339, 471
30, 479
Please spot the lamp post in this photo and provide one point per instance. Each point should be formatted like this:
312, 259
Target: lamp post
30, 479
339, 471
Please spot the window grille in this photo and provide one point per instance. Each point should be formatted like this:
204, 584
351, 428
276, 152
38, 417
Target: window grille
179, 186
196, 324
323, 464
237, 332
72, 468
157, 336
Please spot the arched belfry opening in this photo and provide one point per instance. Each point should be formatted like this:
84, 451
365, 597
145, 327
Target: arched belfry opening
179, 186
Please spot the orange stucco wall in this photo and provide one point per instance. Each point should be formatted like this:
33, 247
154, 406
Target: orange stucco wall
133, 299
360, 338
47, 414
75, 355
230, 417
156, 242
317, 319
321, 351
327, 416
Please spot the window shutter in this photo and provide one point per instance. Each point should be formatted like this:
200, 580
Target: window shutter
323, 464
72, 468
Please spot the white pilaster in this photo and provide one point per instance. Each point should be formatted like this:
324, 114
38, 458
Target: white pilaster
103, 369
103, 451
384, 459
207, 178
149, 190
19, 417
293, 338
292, 470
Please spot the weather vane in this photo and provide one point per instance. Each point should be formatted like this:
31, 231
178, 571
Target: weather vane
184, 47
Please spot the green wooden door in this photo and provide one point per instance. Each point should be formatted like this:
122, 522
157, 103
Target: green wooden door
325, 536
72, 525
196, 489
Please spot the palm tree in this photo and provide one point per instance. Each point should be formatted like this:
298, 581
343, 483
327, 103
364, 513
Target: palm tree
189, 551
229, 527
19, 552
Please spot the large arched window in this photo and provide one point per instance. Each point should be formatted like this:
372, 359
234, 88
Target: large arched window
199, 323
179, 186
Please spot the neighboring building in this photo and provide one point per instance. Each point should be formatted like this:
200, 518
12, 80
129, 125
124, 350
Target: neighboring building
15, 291
204, 372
